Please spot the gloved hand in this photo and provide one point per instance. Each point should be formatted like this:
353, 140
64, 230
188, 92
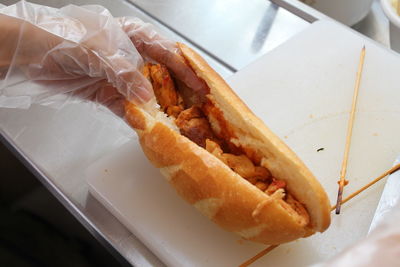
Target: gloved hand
46, 51
151, 45
82, 51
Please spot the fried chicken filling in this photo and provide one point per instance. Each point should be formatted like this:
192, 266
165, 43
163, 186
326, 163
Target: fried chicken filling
193, 121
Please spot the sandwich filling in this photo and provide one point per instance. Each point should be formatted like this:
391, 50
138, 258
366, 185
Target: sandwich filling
199, 119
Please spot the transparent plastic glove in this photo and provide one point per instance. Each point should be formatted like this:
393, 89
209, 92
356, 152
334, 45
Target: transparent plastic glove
47, 52
380, 248
153, 46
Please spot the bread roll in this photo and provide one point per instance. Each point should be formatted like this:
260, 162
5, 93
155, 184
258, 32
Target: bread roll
203, 172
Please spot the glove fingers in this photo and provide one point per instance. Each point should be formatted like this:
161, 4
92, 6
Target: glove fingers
153, 46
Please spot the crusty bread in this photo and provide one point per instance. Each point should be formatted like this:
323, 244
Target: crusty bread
213, 188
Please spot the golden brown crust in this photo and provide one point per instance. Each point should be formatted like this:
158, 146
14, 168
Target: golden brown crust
134, 116
218, 192
281, 161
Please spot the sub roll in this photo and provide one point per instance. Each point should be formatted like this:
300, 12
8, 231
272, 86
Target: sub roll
224, 160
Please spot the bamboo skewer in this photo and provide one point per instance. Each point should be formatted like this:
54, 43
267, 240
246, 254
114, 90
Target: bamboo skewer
259, 255
383, 175
398, 7
342, 181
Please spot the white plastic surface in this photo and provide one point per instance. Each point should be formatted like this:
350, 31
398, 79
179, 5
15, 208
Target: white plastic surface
381, 247
303, 91
390, 197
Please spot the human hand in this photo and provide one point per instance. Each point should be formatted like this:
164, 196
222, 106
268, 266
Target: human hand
67, 50
153, 46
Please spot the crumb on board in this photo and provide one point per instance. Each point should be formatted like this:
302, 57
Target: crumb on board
285, 137
320, 149
311, 116
375, 134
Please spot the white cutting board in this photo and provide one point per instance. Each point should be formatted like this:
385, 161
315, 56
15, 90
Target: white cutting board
303, 91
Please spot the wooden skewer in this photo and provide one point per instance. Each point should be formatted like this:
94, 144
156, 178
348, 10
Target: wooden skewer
383, 175
344, 163
269, 248
259, 255
398, 7
342, 180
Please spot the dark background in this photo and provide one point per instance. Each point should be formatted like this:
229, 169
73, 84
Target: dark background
35, 229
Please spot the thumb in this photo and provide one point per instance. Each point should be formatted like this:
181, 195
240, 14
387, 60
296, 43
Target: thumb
151, 45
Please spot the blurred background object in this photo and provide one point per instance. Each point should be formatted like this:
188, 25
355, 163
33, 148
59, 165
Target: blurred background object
391, 8
348, 12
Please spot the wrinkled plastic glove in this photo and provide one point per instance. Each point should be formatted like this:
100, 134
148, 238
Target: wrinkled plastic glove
82, 51
154, 47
